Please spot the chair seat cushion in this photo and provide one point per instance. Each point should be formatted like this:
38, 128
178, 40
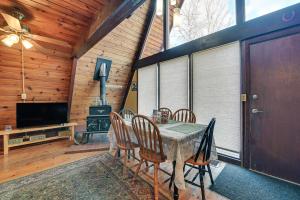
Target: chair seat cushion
199, 161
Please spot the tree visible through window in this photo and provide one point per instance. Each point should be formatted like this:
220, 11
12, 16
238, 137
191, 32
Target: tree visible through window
202, 17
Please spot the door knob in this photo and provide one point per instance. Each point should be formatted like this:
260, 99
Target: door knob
255, 110
254, 96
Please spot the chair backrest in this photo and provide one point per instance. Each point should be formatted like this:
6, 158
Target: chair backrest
166, 110
206, 141
121, 131
148, 136
127, 113
184, 115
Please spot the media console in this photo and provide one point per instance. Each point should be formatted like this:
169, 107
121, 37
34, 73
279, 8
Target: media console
6, 135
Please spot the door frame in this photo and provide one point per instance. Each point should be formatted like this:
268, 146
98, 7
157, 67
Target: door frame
246, 82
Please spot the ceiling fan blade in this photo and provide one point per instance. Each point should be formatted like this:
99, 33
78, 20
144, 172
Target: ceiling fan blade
2, 30
48, 51
48, 40
2, 37
13, 22
5, 31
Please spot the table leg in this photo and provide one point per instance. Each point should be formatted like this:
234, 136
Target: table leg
5, 144
175, 194
72, 133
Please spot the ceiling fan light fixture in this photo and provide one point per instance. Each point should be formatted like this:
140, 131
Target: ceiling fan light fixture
7, 42
13, 38
27, 44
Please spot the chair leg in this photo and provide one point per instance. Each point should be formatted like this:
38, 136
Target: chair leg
116, 155
210, 174
125, 164
147, 166
88, 138
133, 153
201, 183
128, 154
139, 167
156, 167
172, 177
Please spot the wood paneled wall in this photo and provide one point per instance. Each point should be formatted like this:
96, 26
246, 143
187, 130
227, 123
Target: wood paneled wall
48, 76
155, 39
120, 45
46, 79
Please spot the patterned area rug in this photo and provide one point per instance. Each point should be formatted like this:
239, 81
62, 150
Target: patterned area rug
96, 177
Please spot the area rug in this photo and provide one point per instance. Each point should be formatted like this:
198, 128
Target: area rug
94, 178
237, 183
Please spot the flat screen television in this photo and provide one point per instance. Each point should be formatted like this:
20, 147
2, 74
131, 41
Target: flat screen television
39, 114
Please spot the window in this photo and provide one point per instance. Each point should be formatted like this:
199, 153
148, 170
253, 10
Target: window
257, 8
174, 83
202, 17
147, 90
216, 93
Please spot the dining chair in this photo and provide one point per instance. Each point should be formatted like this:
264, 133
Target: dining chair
202, 158
151, 148
127, 113
184, 115
164, 109
122, 137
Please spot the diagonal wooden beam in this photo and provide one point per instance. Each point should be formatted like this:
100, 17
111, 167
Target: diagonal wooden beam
142, 45
124, 11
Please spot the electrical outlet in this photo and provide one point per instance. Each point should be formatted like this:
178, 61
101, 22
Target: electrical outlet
23, 96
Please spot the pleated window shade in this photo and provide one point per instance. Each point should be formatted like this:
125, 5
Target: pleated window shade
147, 90
216, 93
174, 83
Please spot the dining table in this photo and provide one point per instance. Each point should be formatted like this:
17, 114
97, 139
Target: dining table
180, 142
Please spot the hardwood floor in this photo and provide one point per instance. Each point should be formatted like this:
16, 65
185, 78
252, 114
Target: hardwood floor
31, 159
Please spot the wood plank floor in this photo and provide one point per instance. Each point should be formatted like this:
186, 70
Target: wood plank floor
32, 159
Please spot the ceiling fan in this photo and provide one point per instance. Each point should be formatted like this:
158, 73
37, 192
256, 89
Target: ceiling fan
16, 32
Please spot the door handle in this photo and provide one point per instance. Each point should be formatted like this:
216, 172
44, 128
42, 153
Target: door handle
255, 111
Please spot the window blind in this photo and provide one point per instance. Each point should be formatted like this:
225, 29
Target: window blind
174, 83
147, 90
216, 93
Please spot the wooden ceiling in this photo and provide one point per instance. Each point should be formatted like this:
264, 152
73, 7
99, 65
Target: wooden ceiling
67, 20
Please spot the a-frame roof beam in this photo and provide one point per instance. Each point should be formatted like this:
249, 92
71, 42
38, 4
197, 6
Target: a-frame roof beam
124, 11
142, 45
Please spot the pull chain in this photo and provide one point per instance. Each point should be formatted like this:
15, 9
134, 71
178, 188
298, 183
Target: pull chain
23, 71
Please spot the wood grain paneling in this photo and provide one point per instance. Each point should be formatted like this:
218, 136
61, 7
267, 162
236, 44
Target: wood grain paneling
120, 45
46, 79
66, 20
47, 76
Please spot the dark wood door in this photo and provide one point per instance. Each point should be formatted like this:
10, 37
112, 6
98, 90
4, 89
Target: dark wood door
274, 104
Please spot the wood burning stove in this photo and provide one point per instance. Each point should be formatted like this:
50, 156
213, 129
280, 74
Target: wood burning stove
98, 119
